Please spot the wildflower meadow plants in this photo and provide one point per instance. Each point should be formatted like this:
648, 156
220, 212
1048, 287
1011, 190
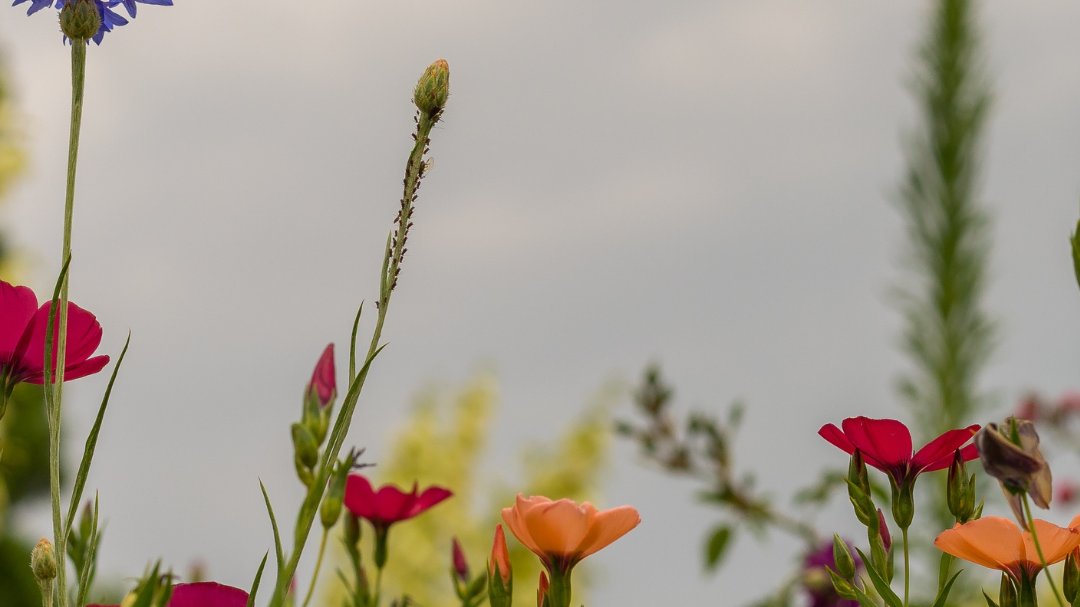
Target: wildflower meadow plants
56, 341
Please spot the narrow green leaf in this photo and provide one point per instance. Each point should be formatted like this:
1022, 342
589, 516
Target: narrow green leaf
258, 578
273, 523
50, 332
1075, 242
89, 561
989, 601
943, 569
943, 594
716, 546
880, 584
352, 343
91, 443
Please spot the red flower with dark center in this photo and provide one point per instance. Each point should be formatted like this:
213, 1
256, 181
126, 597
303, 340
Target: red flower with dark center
886, 445
389, 504
23, 326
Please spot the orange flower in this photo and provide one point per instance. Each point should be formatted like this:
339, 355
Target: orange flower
997, 543
562, 532
499, 563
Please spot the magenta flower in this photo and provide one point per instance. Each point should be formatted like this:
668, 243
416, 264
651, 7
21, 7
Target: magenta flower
22, 340
885, 444
203, 594
389, 504
322, 384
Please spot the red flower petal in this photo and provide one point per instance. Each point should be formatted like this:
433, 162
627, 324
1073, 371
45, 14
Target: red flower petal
885, 440
207, 594
938, 453
84, 336
359, 496
392, 504
17, 306
430, 497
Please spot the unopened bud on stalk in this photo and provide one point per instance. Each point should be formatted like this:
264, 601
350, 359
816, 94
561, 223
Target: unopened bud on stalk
844, 588
433, 88
883, 531
43, 561
79, 20
1007, 594
845, 565
1070, 582
542, 590
461, 565
307, 451
903, 504
335, 493
1010, 453
500, 576
858, 482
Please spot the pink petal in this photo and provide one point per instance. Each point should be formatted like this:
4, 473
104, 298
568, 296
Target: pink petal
84, 336
938, 453
323, 378
430, 497
207, 594
17, 306
392, 504
885, 440
359, 496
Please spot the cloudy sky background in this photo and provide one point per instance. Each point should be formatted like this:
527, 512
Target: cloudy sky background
704, 184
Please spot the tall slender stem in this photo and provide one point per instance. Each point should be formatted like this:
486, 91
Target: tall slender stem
1038, 550
393, 255
78, 81
907, 566
318, 566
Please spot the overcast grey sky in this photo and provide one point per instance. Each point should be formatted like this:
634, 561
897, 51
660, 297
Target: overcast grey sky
704, 184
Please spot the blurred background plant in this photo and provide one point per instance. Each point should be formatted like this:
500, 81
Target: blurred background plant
947, 334
23, 435
443, 443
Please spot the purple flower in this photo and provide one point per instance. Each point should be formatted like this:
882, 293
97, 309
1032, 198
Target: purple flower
109, 18
816, 579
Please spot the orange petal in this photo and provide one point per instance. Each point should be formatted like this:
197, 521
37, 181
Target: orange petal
991, 541
558, 527
1056, 542
513, 518
608, 526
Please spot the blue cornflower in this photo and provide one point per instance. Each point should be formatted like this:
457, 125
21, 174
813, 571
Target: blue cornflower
109, 17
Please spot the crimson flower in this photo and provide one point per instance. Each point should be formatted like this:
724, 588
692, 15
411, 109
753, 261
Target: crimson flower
323, 385
886, 445
203, 594
23, 326
389, 504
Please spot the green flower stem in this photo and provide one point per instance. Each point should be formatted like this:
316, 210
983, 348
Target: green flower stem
318, 566
378, 587
559, 592
1038, 550
395, 250
907, 566
53, 412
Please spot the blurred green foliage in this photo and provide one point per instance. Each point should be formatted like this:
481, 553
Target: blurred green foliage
443, 443
23, 435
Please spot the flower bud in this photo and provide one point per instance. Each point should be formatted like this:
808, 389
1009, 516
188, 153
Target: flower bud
542, 590
845, 565
500, 576
1070, 581
461, 566
858, 482
1007, 592
883, 531
80, 20
335, 493
323, 384
307, 451
903, 504
433, 88
43, 561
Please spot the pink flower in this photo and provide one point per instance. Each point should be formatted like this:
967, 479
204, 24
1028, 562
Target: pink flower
885, 444
389, 504
461, 565
23, 326
203, 594
322, 384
